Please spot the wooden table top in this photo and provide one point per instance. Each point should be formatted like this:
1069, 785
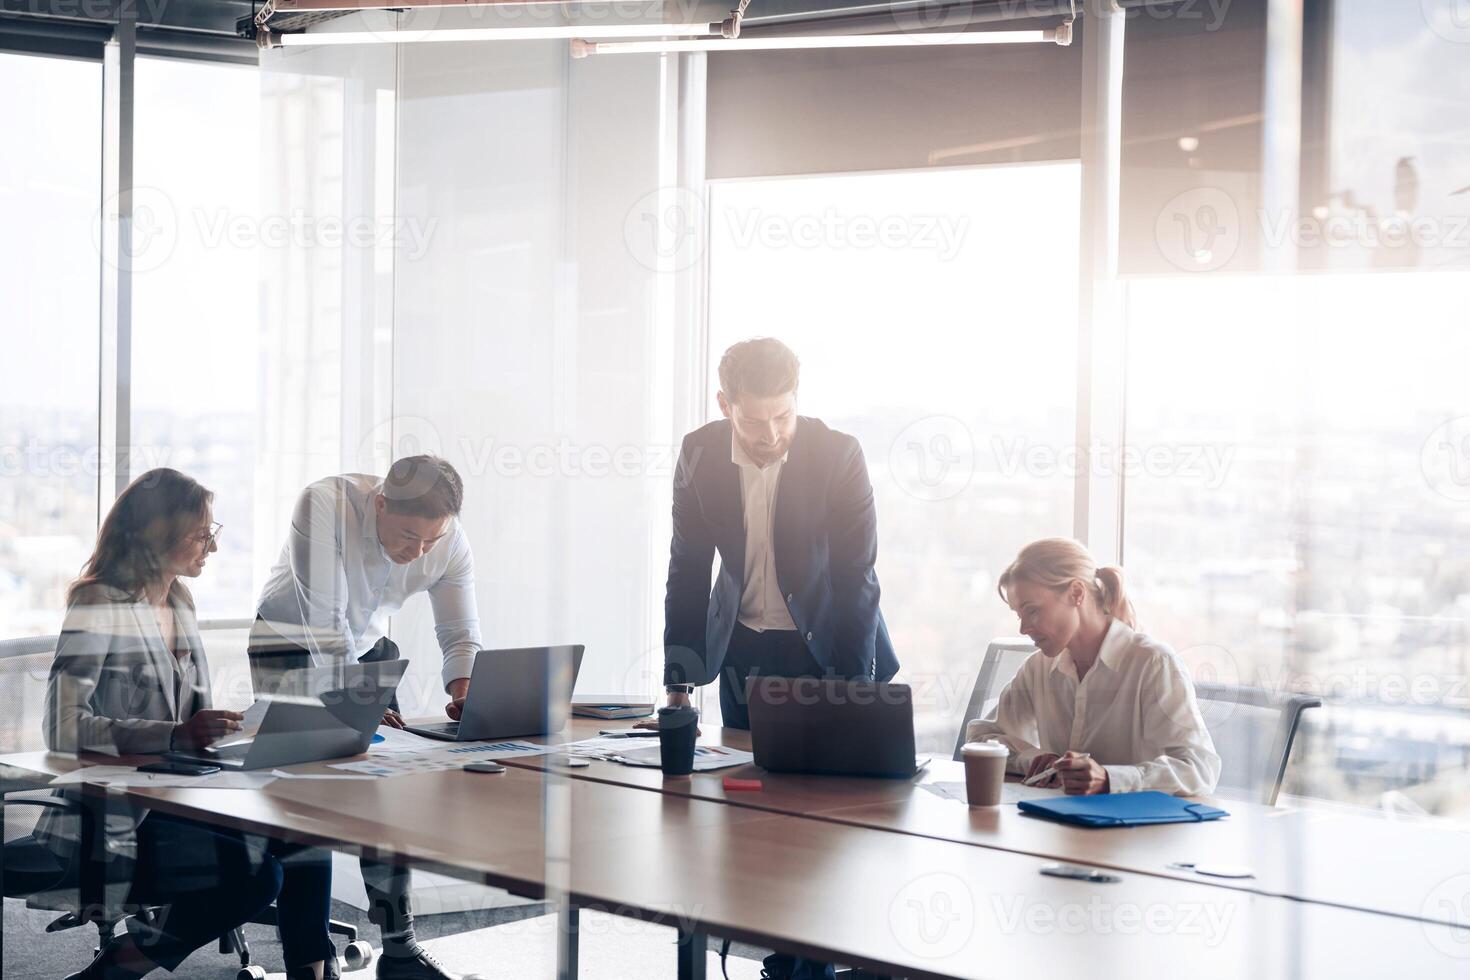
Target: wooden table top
890, 902
1396, 867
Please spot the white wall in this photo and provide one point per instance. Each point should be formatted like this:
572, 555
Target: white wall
524, 347
326, 174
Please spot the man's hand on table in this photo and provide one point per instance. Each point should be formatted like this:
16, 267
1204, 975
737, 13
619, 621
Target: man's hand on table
458, 691
676, 699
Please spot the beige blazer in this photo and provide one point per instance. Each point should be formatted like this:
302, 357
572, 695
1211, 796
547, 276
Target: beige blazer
115, 689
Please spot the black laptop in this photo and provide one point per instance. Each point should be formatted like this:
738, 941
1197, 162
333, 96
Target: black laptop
836, 727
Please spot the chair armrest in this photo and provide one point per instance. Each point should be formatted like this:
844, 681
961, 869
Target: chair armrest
24, 798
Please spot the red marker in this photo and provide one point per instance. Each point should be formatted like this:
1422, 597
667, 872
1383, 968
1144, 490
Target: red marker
733, 784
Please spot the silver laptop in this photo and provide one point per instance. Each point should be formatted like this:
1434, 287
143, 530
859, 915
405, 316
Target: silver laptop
836, 727
526, 691
337, 718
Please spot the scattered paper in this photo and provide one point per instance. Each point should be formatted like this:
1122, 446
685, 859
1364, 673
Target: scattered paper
706, 757
127, 777
96, 774
396, 741
254, 717
608, 746
1010, 793
451, 755
235, 780
283, 774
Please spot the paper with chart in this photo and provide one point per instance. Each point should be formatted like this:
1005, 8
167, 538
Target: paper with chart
447, 755
398, 741
706, 757
644, 752
608, 746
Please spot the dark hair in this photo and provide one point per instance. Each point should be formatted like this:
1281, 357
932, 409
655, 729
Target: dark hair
763, 367
423, 486
148, 520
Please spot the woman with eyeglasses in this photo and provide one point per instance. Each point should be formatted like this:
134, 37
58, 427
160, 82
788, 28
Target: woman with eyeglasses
130, 678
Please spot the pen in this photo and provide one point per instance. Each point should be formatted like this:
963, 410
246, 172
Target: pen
1051, 771
630, 733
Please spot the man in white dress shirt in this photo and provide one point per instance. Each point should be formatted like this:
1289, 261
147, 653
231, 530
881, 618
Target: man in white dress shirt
358, 548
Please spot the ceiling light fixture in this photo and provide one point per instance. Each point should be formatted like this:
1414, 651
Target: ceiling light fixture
1062, 35
609, 31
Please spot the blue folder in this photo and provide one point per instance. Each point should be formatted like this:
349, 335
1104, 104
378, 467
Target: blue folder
1121, 809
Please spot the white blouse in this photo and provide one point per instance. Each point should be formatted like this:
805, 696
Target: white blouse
1134, 711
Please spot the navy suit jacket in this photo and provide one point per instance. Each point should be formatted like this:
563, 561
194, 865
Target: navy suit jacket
825, 538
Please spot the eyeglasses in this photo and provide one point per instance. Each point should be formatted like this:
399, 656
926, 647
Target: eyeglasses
210, 538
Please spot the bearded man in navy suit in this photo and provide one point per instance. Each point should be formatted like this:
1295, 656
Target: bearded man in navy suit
787, 504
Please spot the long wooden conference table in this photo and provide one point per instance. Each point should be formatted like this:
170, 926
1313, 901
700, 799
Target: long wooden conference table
883, 875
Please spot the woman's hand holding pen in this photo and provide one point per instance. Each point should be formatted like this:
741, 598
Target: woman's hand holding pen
1039, 765
1081, 774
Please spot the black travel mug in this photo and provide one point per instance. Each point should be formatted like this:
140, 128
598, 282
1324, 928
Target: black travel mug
677, 729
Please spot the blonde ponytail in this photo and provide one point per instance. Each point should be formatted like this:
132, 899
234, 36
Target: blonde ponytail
1058, 562
1113, 596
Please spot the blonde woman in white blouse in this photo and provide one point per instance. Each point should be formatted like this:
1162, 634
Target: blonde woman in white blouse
1110, 709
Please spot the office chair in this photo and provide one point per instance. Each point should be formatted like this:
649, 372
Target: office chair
1003, 658
32, 871
1253, 731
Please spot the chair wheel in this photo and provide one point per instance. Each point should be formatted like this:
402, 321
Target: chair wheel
358, 955
250, 973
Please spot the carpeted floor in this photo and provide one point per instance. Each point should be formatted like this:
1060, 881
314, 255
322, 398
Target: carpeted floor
517, 943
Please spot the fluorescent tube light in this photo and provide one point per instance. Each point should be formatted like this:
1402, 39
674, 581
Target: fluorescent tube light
611, 31
581, 48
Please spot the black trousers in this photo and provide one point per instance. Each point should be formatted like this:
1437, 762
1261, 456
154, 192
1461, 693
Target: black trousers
210, 881
772, 653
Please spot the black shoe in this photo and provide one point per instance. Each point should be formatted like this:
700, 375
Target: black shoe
418, 966
779, 966
105, 967
329, 971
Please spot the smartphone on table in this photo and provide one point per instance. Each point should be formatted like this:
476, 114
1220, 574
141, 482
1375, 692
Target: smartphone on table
171, 768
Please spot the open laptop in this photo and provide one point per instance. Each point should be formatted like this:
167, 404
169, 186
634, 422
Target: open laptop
335, 718
526, 691
831, 726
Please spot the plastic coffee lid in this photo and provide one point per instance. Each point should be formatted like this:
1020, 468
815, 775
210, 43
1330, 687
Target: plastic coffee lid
984, 748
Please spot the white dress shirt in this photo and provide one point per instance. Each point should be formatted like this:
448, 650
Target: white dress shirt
1134, 711
334, 587
762, 607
